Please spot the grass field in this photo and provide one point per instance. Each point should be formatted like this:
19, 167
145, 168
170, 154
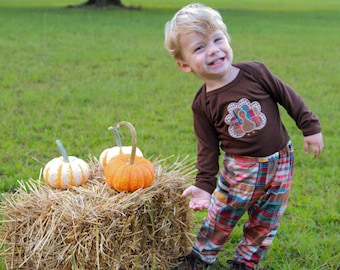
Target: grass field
70, 73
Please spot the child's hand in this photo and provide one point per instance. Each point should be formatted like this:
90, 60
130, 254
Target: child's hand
315, 142
200, 199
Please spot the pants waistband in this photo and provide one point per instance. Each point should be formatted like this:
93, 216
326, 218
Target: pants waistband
288, 148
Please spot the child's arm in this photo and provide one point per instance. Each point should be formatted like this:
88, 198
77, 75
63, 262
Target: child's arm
200, 199
314, 142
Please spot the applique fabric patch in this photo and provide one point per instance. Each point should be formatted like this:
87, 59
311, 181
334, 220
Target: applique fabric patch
244, 117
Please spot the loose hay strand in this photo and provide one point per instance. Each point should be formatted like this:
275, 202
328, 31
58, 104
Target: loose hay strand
95, 227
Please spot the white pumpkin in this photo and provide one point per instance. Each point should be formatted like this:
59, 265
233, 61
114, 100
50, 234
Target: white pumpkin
66, 171
109, 153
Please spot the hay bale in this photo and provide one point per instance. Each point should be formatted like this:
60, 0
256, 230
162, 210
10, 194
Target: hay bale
95, 227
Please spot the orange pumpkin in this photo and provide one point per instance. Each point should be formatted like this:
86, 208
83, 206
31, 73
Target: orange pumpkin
65, 171
128, 172
109, 153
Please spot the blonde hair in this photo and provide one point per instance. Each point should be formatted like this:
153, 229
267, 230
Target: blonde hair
194, 17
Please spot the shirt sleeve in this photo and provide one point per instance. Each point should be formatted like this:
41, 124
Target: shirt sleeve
207, 151
293, 103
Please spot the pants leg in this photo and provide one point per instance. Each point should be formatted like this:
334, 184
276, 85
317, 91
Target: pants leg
266, 213
259, 186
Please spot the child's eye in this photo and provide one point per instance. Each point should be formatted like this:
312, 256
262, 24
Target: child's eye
198, 48
218, 39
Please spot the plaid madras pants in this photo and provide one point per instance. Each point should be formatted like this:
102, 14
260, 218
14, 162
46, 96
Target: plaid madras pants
259, 186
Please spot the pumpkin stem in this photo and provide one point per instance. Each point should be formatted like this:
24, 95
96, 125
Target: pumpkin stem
115, 131
62, 151
134, 139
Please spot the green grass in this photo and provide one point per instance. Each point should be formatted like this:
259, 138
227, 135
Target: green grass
70, 73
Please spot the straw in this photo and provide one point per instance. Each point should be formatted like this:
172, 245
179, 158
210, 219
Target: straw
95, 227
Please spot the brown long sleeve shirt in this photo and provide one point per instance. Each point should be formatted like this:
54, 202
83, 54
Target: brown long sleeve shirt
242, 118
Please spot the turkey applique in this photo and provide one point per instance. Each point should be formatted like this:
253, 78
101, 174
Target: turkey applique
244, 117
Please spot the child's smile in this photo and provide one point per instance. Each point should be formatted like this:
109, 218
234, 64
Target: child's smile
217, 61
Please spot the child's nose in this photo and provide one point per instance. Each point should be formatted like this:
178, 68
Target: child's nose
213, 49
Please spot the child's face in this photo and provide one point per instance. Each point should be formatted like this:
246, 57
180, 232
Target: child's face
209, 57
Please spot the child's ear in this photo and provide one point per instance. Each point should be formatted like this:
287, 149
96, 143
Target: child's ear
183, 66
